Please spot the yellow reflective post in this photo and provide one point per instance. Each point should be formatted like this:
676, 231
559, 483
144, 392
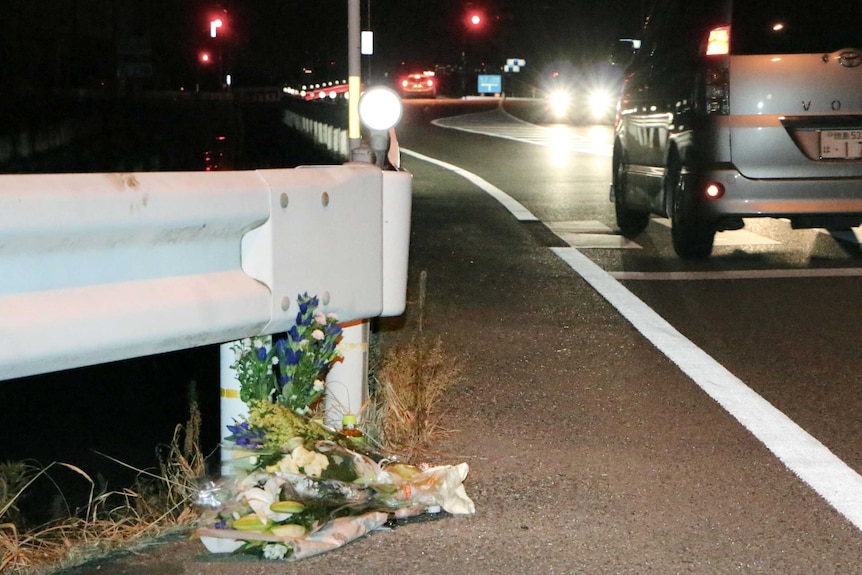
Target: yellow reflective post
354, 63
353, 128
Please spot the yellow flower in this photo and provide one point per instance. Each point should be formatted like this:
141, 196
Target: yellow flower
310, 462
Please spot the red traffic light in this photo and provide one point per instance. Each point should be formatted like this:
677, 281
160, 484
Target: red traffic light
475, 19
217, 23
204, 57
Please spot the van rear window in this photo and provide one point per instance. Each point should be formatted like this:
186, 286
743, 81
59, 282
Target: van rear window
782, 27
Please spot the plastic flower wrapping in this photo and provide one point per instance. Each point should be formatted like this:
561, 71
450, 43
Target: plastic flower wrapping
301, 488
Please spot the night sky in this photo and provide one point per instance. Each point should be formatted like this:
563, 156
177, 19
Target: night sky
75, 43
426, 32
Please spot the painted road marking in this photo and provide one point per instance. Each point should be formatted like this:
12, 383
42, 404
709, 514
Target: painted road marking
804, 455
739, 274
580, 227
500, 124
515, 207
808, 458
586, 234
731, 237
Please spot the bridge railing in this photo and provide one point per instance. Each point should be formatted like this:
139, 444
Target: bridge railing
103, 267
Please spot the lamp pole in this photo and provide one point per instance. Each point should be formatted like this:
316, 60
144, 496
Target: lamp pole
347, 381
354, 70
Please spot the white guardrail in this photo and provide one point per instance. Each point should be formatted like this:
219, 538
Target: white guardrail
333, 138
103, 267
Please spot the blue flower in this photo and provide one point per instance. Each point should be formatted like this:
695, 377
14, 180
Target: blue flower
261, 353
292, 357
303, 305
244, 436
238, 428
293, 334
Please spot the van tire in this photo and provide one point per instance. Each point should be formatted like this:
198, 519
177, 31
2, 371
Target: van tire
631, 222
692, 236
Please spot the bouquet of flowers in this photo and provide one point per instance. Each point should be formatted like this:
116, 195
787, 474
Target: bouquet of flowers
306, 488
290, 370
320, 495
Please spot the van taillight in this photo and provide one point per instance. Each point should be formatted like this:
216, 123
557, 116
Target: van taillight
713, 191
717, 90
718, 43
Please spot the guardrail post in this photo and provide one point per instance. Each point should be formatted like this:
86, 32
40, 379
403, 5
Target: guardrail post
232, 407
347, 381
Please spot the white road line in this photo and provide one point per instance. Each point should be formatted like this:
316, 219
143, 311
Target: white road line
738, 274
804, 455
590, 234
488, 124
800, 452
510, 203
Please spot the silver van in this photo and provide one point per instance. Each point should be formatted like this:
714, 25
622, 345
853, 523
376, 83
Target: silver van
733, 110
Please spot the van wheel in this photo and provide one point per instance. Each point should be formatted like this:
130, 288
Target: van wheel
631, 222
692, 236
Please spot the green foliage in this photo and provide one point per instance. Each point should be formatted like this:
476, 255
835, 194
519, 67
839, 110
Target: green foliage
290, 370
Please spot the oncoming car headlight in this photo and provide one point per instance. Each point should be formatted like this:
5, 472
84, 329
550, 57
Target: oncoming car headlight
559, 102
601, 103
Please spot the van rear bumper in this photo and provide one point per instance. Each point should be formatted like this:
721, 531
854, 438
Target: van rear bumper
817, 200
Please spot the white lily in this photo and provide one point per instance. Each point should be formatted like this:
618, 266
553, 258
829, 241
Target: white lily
259, 499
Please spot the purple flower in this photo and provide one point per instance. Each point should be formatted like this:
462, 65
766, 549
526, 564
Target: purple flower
245, 436
293, 334
292, 357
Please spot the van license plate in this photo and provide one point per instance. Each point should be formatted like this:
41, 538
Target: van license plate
840, 144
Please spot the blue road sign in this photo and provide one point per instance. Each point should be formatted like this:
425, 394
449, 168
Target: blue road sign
490, 83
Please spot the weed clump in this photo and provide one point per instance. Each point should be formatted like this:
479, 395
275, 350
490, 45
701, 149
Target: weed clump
159, 503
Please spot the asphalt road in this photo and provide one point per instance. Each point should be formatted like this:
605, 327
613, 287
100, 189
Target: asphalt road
593, 447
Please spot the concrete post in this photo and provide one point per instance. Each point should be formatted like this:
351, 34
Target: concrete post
346, 384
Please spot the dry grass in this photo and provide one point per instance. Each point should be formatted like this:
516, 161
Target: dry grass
412, 379
412, 382
403, 418
158, 504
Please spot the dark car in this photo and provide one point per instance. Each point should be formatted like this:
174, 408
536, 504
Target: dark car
738, 109
586, 95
